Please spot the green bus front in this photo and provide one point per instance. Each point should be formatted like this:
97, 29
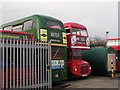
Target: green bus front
46, 29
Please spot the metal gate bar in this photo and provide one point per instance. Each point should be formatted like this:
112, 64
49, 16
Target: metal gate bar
25, 65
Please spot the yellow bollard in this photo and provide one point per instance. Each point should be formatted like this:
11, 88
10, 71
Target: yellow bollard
112, 68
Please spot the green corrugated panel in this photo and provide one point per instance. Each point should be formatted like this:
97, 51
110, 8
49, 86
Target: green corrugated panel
98, 59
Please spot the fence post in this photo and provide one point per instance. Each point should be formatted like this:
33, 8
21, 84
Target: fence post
50, 77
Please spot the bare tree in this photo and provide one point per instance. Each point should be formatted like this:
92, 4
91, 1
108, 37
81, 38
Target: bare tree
97, 41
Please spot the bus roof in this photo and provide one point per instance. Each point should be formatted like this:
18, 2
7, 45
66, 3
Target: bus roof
75, 25
28, 18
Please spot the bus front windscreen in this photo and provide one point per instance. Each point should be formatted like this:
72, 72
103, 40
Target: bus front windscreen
58, 53
77, 54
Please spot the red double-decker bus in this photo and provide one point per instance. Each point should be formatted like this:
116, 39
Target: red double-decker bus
77, 40
115, 43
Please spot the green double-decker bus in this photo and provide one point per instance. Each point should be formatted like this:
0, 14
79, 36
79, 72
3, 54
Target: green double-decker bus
45, 29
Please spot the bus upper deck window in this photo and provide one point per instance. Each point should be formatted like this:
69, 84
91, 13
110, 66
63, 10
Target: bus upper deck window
75, 31
83, 32
54, 25
111, 43
17, 27
117, 42
78, 32
67, 30
7, 28
28, 25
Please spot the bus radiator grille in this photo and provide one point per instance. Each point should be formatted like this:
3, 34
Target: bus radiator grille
84, 69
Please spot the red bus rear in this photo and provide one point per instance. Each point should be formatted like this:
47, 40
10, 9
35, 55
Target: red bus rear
115, 43
77, 40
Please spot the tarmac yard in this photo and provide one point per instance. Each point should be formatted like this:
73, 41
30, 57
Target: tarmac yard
91, 82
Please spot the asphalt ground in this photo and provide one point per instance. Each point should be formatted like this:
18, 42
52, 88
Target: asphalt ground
91, 82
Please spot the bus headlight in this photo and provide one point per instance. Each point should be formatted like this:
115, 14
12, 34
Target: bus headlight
87, 41
73, 40
75, 69
90, 68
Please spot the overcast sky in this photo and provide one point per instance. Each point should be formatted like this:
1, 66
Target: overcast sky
98, 17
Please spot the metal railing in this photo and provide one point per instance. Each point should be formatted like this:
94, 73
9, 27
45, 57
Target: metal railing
25, 65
